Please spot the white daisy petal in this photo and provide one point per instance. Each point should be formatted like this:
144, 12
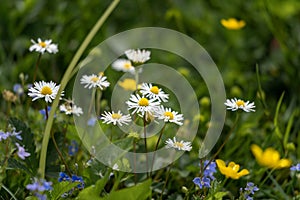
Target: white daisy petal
123, 65
142, 105
115, 118
42, 46
93, 81
42, 89
154, 92
182, 145
235, 104
168, 115
138, 56
70, 108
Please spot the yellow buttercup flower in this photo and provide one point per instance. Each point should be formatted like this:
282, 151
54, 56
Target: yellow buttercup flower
233, 24
128, 84
232, 170
269, 158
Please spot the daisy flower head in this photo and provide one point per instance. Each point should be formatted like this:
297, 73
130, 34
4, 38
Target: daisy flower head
235, 104
123, 65
168, 115
43, 46
115, 118
70, 108
93, 81
142, 105
138, 56
153, 92
182, 145
42, 89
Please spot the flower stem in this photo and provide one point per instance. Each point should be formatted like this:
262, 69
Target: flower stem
36, 67
167, 177
156, 146
145, 143
65, 79
60, 155
223, 144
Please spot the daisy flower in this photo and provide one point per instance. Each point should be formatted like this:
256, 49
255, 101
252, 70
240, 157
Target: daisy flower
70, 108
142, 104
235, 104
92, 81
138, 56
42, 46
168, 115
42, 89
153, 92
115, 118
183, 146
123, 65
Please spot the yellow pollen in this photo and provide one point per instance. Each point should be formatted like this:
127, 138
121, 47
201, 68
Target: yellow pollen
116, 116
43, 44
143, 102
169, 114
94, 79
154, 90
240, 103
178, 144
127, 65
46, 90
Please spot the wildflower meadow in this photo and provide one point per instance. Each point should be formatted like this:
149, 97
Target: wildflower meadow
133, 100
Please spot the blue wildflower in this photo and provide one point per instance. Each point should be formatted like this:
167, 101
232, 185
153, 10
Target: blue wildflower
18, 89
3, 135
203, 182
249, 190
73, 148
91, 121
295, 168
21, 152
78, 179
38, 187
16, 134
63, 177
210, 169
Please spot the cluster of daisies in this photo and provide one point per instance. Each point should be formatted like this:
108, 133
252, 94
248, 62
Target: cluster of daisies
49, 90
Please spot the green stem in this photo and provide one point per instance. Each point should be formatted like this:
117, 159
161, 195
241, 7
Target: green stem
36, 67
9, 192
167, 177
157, 143
65, 79
145, 143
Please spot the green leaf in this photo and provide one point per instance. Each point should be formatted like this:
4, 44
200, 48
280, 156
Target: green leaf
277, 130
61, 188
93, 191
138, 192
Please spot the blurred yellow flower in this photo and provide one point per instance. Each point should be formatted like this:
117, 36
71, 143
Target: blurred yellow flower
232, 170
233, 24
269, 158
128, 84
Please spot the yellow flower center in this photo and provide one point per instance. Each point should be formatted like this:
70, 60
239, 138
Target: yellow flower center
178, 144
143, 102
116, 116
154, 90
43, 44
169, 114
46, 90
94, 79
127, 65
240, 103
